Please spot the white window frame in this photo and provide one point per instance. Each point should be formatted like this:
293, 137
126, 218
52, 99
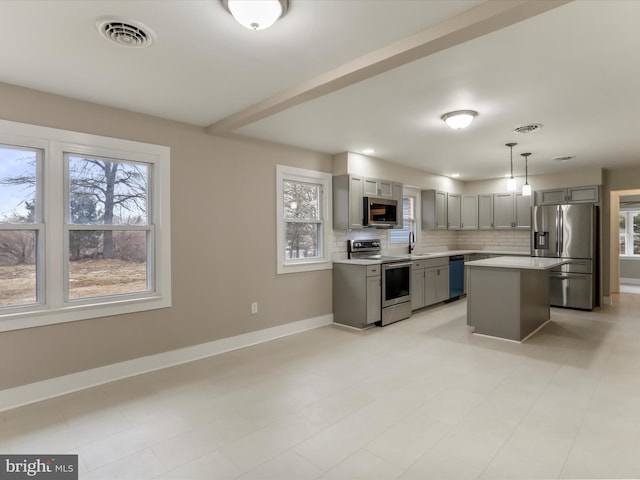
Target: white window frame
408, 193
55, 143
323, 262
628, 214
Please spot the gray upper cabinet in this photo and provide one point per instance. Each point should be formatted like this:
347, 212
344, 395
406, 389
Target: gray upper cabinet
378, 188
485, 211
434, 210
503, 210
511, 210
454, 211
348, 191
587, 194
522, 211
469, 212
549, 197
398, 195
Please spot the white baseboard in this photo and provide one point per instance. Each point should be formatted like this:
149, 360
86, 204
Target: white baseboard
38, 391
630, 281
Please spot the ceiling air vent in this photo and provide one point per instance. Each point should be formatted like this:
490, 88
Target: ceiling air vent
528, 128
126, 33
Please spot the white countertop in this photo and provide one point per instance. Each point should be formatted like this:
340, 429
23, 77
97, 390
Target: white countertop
524, 263
446, 253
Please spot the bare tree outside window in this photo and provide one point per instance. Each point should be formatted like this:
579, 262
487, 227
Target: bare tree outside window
303, 217
18, 234
107, 260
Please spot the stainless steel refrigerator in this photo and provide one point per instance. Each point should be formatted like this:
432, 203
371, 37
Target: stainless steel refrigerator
570, 232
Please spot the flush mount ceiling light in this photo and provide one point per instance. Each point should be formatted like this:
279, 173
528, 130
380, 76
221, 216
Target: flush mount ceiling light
459, 119
563, 159
256, 14
511, 182
126, 33
528, 128
526, 188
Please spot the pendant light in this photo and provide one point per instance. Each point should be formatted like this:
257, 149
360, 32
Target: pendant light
526, 188
511, 182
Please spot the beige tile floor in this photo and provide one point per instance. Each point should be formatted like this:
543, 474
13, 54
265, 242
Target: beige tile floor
419, 399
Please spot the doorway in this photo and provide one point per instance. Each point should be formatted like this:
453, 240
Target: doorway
625, 241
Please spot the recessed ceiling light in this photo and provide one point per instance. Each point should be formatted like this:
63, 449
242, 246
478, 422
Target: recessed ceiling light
368, 151
528, 128
563, 159
455, 175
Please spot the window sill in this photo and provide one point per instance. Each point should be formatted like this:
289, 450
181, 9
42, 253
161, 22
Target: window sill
38, 318
309, 266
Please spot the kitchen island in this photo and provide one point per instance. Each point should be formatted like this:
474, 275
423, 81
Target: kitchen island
508, 297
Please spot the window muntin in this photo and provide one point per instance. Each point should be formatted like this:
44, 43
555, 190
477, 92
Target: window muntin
51, 200
304, 219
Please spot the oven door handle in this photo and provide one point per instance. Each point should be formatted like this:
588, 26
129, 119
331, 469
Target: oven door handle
389, 266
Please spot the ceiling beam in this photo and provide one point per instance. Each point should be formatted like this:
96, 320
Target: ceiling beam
480, 20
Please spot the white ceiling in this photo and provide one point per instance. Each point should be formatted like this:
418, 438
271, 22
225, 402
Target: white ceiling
343, 75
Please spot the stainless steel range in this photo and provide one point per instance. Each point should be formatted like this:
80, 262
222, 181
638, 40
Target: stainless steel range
395, 294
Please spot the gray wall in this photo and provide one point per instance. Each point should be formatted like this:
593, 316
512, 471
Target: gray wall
223, 200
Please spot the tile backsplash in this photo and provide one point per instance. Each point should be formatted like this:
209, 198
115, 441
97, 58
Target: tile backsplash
436, 240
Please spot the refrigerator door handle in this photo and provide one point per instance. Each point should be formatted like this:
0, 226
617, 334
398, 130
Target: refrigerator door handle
559, 242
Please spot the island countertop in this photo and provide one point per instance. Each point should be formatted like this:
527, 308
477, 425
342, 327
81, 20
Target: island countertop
522, 263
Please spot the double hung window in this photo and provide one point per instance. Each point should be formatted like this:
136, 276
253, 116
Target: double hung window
84, 226
303, 219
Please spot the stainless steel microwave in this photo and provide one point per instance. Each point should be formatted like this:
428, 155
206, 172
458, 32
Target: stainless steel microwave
380, 212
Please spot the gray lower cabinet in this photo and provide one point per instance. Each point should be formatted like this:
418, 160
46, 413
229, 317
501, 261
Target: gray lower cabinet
429, 282
374, 295
356, 294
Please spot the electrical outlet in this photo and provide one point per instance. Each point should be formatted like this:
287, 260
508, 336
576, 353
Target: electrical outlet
254, 307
